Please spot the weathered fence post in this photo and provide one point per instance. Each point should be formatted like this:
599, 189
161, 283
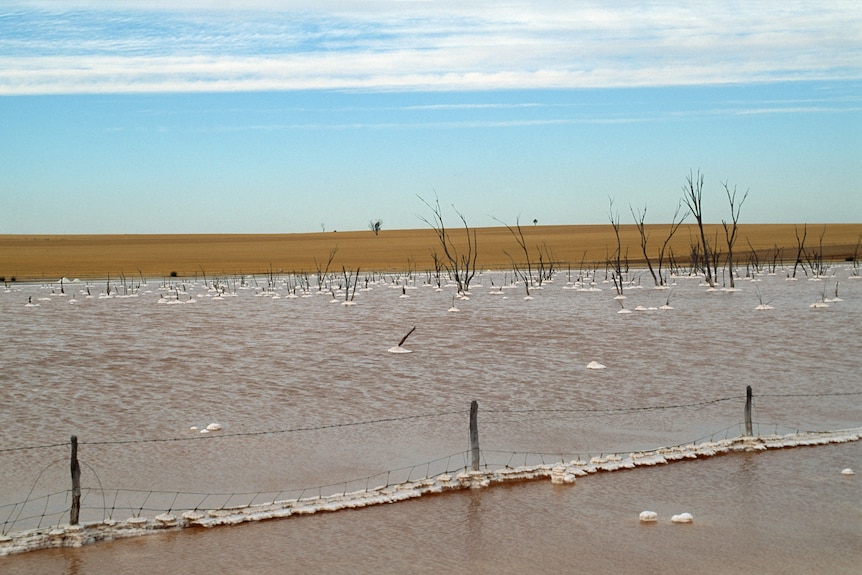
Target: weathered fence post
76, 484
474, 434
748, 432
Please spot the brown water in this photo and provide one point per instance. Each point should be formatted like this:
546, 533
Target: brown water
131, 369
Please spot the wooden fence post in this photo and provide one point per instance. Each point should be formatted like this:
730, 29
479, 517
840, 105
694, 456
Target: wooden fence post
748, 432
76, 484
474, 434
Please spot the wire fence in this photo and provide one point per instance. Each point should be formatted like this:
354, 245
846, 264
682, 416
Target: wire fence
97, 504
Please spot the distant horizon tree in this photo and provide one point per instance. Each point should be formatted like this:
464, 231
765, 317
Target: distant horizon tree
375, 226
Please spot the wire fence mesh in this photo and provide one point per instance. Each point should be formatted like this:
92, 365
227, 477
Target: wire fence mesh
107, 505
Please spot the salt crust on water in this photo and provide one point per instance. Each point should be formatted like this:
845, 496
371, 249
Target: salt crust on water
559, 473
648, 516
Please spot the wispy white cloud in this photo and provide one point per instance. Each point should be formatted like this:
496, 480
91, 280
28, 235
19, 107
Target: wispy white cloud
154, 46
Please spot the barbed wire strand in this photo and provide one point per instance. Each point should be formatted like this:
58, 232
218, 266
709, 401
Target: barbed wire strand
426, 415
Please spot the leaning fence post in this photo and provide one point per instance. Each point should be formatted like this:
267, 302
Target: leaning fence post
76, 484
748, 411
474, 434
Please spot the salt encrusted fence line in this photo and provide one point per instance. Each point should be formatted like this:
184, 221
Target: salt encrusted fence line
468, 469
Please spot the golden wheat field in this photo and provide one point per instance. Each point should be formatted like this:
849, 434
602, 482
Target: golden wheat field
38, 257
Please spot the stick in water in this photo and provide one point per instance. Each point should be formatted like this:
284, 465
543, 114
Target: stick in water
403, 339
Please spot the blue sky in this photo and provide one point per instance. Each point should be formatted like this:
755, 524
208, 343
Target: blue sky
270, 117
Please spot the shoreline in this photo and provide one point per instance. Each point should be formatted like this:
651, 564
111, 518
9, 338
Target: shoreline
35, 257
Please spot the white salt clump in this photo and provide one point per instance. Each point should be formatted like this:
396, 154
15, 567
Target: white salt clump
398, 349
595, 365
560, 475
193, 428
136, 521
648, 516
847, 471
214, 427
166, 519
682, 518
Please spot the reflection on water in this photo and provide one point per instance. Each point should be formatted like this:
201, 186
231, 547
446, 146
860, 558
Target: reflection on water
129, 369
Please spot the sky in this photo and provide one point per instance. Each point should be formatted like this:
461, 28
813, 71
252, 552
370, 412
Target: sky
264, 116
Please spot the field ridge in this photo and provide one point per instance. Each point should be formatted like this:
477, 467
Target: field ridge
40, 257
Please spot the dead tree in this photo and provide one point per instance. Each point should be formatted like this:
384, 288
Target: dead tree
639, 222
438, 267
776, 256
616, 259
731, 229
800, 247
693, 198
715, 256
856, 256
674, 226
516, 271
657, 276
461, 265
815, 259
545, 273
522, 242
754, 258
323, 272
350, 285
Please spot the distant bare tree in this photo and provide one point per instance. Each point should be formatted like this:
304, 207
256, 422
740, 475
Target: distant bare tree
461, 265
375, 226
693, 198
731, 229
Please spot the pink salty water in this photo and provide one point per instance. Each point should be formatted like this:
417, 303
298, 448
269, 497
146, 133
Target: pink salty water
132, 369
